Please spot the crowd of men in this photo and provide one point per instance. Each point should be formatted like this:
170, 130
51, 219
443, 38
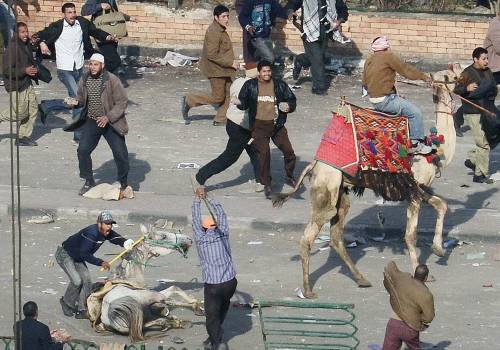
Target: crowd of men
254, 110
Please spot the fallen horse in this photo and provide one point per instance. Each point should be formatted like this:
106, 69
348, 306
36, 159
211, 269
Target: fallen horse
124, 305
389, 172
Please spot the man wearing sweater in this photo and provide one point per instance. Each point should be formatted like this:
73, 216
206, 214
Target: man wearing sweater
78, 250
412, 304
257, 17
379, 78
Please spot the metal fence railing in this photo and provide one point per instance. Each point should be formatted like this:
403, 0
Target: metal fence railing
307, 325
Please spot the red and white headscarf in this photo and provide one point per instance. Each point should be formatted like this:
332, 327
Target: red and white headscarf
380, 44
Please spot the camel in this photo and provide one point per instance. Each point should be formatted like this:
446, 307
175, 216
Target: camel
330, 187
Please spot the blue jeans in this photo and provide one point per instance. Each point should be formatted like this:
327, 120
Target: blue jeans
70, 80
263, 49
393, 104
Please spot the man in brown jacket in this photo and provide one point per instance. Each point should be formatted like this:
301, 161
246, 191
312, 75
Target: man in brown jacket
104, 102
412, 304
379, 79
217, 63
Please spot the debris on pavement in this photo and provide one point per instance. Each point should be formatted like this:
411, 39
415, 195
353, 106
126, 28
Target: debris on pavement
49, 291
380, 238
495, 176
254, 242
488, 285
41, 219
352, 245
177, 340
374, 347
299, 293
450, 243
188, 166
475, 256
176, 59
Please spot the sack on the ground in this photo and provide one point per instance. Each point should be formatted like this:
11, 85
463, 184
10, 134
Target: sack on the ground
112, 22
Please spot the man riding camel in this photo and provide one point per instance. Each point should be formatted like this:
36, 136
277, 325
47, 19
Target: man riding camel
379, 78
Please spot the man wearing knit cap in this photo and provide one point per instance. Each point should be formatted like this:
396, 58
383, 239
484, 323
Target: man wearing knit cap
104, 102
379, 78
214, 251
239, 133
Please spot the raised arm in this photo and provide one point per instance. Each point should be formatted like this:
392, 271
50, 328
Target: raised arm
196, 217
220, 216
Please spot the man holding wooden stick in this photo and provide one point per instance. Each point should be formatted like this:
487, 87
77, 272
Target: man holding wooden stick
211, 235
73, 255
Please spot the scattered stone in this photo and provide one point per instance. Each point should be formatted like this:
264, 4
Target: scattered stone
475, 256
41, 219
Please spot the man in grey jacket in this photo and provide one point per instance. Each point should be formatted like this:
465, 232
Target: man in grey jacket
104, 101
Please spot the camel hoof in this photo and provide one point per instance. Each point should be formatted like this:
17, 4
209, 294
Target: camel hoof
363, 283
430, 278
438, 250
310, 294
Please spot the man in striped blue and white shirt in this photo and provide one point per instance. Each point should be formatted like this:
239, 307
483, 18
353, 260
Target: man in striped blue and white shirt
212, 242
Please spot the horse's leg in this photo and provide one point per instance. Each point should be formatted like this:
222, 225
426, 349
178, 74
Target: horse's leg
337, 238
189, 302
441, 207
412, 213
322, 211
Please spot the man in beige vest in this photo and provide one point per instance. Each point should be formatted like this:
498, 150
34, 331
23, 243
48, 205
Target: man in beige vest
217, 63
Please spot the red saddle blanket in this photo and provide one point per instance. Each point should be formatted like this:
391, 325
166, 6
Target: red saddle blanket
371, 142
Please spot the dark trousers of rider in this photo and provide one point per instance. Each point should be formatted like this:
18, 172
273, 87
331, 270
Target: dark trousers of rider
263, 132
217, 299
237, 142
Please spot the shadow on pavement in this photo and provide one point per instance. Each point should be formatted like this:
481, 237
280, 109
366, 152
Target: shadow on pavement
138, 170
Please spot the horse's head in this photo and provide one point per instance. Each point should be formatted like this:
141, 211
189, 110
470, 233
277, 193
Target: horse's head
158, 241
164, 239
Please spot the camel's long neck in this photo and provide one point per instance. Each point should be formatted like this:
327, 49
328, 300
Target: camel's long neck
446, 127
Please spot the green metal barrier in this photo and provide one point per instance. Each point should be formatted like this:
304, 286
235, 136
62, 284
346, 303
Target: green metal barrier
7, 343
307, 330
74, 344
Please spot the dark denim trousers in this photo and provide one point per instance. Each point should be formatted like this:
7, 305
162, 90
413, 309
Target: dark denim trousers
314, 58
112, 59
79, 280
237, 142
91, 134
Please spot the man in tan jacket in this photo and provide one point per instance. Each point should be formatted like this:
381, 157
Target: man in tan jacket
412, 304
217, 63
379, 79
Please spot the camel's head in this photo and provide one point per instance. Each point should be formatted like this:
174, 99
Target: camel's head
445, 81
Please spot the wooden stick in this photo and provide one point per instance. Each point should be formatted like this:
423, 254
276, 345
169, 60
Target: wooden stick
124, 252
451, 92
206, 203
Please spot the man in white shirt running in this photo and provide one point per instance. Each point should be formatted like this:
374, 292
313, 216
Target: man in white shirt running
69, 37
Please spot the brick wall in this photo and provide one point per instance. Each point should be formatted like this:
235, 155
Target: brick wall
421, 35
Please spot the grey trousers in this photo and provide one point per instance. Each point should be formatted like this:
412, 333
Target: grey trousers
263, 49
79, 280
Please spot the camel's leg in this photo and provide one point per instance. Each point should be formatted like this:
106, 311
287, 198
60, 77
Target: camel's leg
160, 324
337, 239
411, 231
441, 207
323, 199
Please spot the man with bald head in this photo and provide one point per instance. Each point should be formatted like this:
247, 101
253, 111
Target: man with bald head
104, 101
412, 304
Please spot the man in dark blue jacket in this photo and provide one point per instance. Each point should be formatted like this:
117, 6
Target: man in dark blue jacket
73, 255
257, 17
32, 334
